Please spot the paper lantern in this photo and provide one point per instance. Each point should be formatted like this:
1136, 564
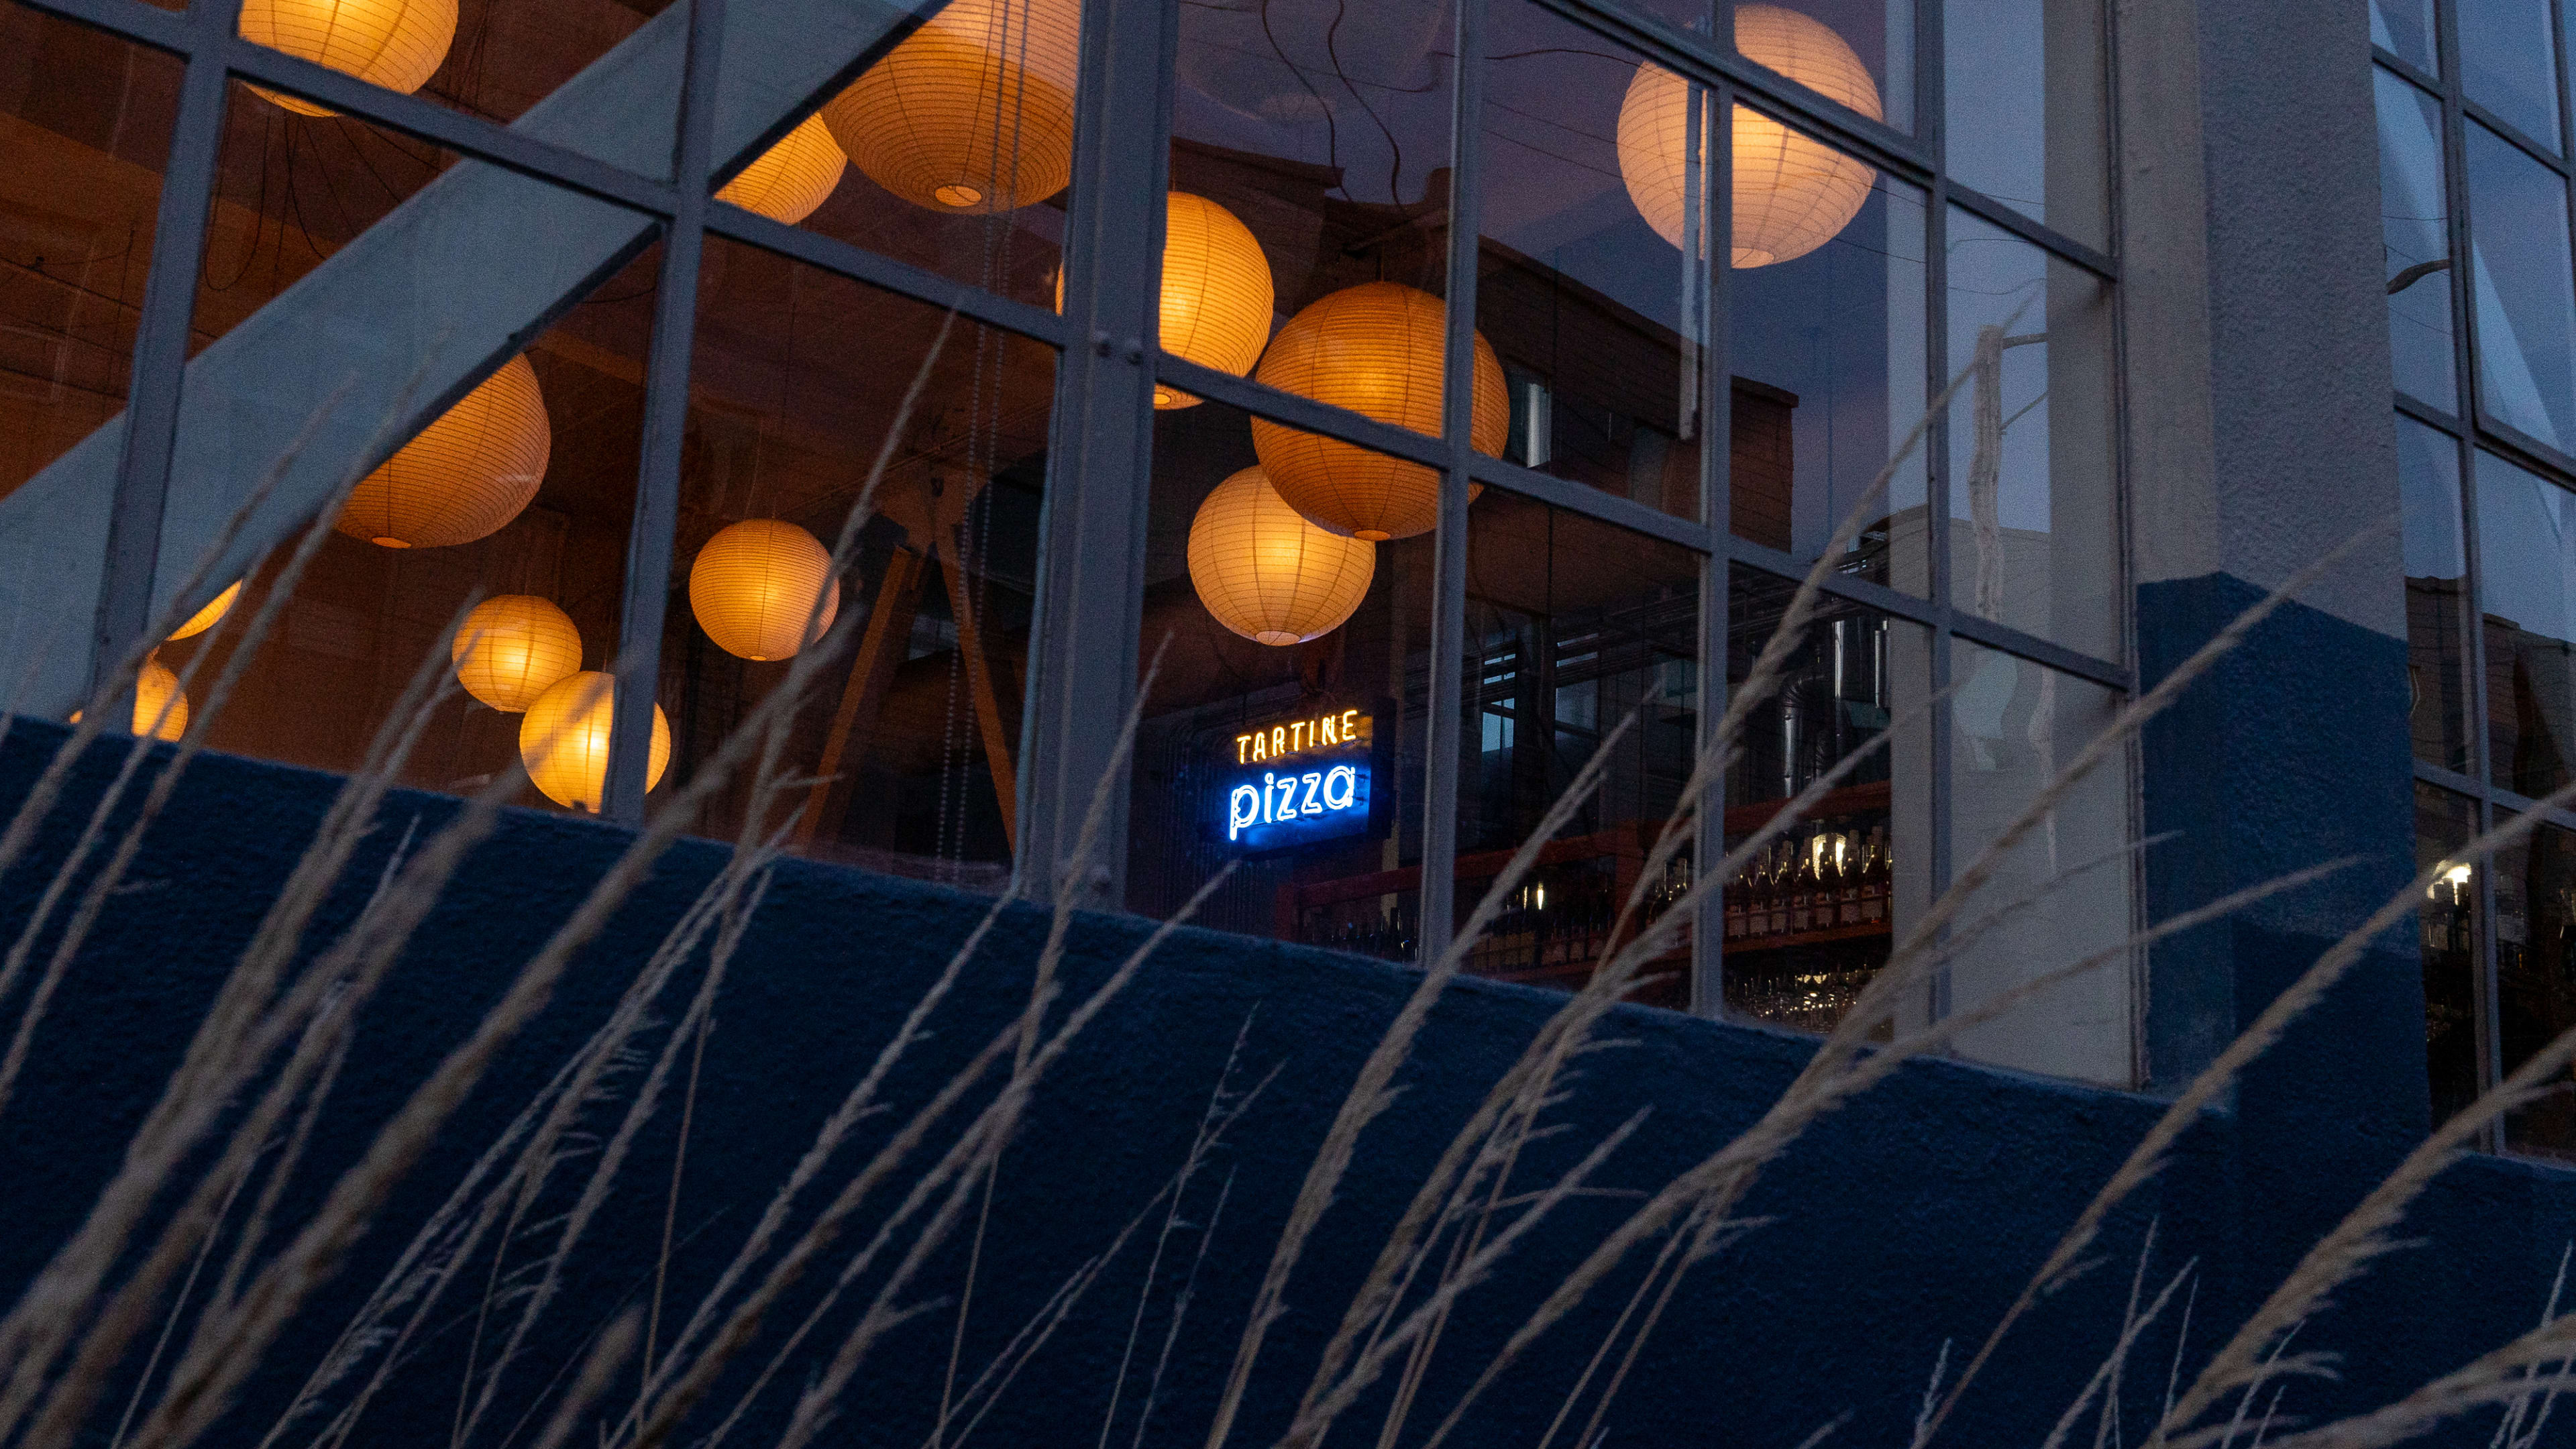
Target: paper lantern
1375, 349
754, 586
791, 178
1792, 193
154, 687
465, 476
397, 44
513, 648
1268, 574
563, 739
204, 619
1217, 294
973, 112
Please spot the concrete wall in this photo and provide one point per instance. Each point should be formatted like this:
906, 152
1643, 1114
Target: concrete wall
1903, 1222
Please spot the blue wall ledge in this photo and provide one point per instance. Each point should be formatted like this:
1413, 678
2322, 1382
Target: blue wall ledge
1897, 1226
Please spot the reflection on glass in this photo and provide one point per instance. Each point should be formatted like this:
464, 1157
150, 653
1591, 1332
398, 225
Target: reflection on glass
1811, 919
1828, 353
2508, 64
2032, 536
2524, 308
84, 135
488, 59
960, 146
2448, 927
290, 191
913, 728
2405, 27
2024, 103
1326, 130
2013, 726
2527, 601
2437, 567
1586, 291
1868, 64
2414, 230
2535, 933
1573, 628
1284, 732
518, 498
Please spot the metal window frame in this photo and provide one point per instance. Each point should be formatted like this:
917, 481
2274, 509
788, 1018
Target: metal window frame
2473, 430
1100, 455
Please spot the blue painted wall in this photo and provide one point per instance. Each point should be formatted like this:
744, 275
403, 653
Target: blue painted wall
1907, 1220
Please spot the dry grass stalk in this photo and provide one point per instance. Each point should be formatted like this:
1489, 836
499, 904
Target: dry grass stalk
598, 1368
2366, 1232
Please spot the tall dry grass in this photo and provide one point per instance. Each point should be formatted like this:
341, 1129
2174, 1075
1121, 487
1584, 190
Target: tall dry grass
185, 1278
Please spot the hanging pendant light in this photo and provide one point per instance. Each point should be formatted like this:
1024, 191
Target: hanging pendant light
791, 178
512, 648
1376, 349
971, 113
397, 44
755, 584
155, 687
563, 739
1266, 573
1217, 293
204, 619
465, 475
1792, 193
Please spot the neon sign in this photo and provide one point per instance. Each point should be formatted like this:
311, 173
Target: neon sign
1296, 783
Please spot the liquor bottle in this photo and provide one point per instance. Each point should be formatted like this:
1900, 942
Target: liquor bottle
1784, 870
1846, 880
1876, 874
1802, 887
1738, 892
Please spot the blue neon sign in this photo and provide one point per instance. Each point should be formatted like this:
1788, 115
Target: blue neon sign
1295, 784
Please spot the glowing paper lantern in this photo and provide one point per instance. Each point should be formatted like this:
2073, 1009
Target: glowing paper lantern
1268, 574
397, 44
791, 178
154, 687
204, 619
512, 648
973, 112
754, 585
1792, 193
1217, 294
563, 739
465, 476
1376, 349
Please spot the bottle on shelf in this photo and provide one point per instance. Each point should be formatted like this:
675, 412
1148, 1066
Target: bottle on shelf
1876, 876
1846, 880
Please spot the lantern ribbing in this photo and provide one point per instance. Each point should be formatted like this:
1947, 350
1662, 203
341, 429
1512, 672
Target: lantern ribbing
754, 585
973, 112
1265, 572
397, 44
512, 648
466, 474
563, 739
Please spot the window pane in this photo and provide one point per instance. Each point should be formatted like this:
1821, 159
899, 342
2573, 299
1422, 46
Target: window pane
2448, 924
1573, 627
1595, 185
2013, 725
2527, 599
2414, 230
1829, 380
1285, 731
488, 59
1858, 53
959, 141
2033, 542
914, 726
2535, 928
291, 191
2024, 89
84, 134
2508, 65
2437, 665
520, 496
1329, 141
1792, 959
2406, 28
2525, 302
